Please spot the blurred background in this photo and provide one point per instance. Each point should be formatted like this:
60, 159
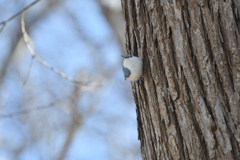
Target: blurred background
44, 116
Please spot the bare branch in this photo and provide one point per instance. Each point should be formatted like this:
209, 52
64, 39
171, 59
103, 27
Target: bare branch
77, 120
17, 37
113, 23
11, 18
29, 44
76, 123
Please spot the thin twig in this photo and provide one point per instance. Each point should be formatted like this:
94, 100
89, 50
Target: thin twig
29, 70
26, 111
29, 44
84, 87
11, 18
3, 25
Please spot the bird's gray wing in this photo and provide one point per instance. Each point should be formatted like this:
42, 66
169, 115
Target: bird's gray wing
126, 72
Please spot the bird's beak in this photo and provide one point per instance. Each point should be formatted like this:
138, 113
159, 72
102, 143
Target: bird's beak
126, 56
125, 78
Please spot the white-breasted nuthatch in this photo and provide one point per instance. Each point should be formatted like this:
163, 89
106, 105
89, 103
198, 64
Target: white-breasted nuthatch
132, 67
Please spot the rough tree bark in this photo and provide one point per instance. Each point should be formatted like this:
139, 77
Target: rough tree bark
188, 102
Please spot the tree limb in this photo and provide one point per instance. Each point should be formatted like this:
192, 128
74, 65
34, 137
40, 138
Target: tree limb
11, 18
29, 44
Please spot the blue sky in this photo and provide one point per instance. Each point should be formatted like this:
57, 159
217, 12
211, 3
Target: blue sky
86, 45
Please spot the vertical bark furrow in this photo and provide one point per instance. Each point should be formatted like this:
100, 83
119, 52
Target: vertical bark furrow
171, 121
146, 117
185, 118
222, 69
236, 13
170, 128
168, 61
154, 112
228, 28
132, 26
156, 138
190, 127
203, 151
185, 122
214, 99
219, 55
202, 112
147, 148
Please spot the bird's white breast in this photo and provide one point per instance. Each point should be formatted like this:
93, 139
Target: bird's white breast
134, 64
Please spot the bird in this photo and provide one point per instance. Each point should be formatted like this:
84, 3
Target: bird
132, 67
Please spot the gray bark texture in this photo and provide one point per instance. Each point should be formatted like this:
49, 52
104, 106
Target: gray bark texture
188, 101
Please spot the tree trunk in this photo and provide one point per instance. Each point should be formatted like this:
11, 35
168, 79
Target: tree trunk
188, 101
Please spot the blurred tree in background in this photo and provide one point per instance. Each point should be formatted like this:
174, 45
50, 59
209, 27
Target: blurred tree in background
45, 115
